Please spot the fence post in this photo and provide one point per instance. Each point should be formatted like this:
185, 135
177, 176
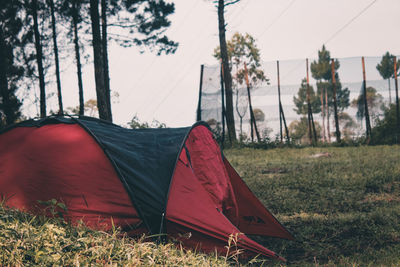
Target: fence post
367, 121
279, 101
312, 132
334, 101
200, 93
252, 118
281, 113
397, 99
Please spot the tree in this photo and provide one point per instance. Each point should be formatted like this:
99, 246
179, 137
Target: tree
56, 60
374, 102
101, 92
135, 123
141, 23
244, 55
230, 118
242, 49
386, 69
301, 100
347, 124
145, 22
321, 70
90, 107
299, 130
259, 115
32, 8
241, 109
14, 38
10, 27
104, 45
385, 130
73, 11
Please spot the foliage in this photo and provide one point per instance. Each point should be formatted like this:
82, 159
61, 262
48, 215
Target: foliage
347, 126
301, 100
90, 107
343, 209
386, 66
386, 69
141, 23
14, 38
135, 123
321, 70
259, 115
28, 240
385, 130
242, 50
298, 131
374, 102
242, 53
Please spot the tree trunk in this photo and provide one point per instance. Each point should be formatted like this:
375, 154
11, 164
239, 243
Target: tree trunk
327, 116
390, 94
252, 117
240, 116
55, 49
39, 59
105, 53
75, 13
98, 62
3, 81
230, 121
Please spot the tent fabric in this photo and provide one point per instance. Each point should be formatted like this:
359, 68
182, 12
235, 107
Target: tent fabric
147, 180
254, 218
209, 169
145, 159
90, 189
191, 206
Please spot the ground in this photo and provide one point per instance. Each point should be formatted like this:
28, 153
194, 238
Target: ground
343, 205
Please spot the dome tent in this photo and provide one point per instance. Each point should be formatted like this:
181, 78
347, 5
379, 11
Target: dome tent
170, 181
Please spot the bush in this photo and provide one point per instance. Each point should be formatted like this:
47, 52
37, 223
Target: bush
385, 131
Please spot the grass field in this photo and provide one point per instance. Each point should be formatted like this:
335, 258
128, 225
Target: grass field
343, 209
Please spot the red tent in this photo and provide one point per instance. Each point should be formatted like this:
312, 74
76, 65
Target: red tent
171, 181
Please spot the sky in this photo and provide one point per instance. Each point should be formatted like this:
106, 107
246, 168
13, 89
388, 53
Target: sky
166, 87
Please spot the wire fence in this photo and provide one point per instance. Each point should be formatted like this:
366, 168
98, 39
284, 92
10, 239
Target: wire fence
265, 100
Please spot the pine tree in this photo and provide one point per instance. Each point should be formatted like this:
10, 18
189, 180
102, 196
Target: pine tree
230, 118
13, 39
386, 69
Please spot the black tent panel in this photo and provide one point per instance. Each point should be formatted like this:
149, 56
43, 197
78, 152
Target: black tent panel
145, 160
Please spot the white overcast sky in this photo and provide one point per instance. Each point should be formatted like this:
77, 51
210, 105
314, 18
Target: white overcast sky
166, 87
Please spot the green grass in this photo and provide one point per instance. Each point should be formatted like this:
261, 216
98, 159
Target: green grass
343, 210
27, 240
